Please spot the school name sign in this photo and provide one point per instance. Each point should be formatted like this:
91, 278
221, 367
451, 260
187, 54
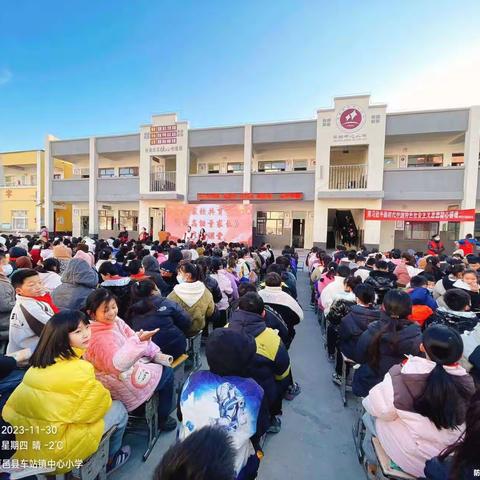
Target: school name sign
433, 216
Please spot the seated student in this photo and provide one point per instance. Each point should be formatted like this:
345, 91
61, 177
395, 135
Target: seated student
82, 409
381, 280
150, 311
357, 320
386, 342
453, 273
423, 304
280, 270
469, 283
136, 270
271, 364
33, 308
193, 296
326, 277
337, 286
281, 302
214, 457
78, 281
11, 372
7, 300
119, 286
226, 397
471, 353
49, 273
128, 363
457, 312
152, 270
287, 276
420, 407
460, 460
272, 318
226, 289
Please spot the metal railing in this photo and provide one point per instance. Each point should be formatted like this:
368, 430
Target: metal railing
162, 181
348, 177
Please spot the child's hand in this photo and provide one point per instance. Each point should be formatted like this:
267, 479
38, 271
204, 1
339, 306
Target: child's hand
144, 336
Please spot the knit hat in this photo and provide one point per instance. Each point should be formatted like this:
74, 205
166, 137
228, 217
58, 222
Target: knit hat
88, 257
459, 252
230, 353
16, 252
23, 262
62, 251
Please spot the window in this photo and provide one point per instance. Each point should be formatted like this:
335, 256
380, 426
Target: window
106, 172
57, 176
278, 166
19, 220
128, 219
453, 231
9, 181
235, 167
128, 172
458, 159
325, 122
375, 118
270, 223
420, 230
429, 160
390, 162
213, 168
300, 165
105, 220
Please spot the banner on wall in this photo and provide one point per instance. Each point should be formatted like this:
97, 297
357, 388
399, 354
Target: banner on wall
221, 223
433, 216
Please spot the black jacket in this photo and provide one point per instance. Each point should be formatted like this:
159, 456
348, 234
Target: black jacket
212, 285
353, 325
382, 282
452, 319
120, 287
338, 310
274, 320
393, 347
152, 270
271, 365
172, 320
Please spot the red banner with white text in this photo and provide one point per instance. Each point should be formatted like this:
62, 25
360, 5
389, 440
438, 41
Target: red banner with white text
433, 216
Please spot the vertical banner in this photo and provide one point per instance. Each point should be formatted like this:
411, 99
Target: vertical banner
222, 223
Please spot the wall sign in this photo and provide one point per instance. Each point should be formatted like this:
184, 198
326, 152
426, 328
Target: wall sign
250, 196
351, 118
434, 216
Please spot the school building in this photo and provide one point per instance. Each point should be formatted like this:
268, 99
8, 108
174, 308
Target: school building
22, 181
389, 179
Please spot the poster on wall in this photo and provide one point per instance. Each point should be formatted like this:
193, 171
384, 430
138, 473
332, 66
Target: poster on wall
218, 222
433, 216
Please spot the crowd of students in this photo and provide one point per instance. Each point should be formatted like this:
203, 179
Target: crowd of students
92, 327
409, 323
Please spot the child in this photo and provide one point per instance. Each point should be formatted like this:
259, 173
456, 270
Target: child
60, 402
128, 363
33, 308
420, 407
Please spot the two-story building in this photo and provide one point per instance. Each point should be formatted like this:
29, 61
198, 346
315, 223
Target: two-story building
304, 179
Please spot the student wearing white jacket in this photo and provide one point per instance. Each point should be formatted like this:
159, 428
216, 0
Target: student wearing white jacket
332, 289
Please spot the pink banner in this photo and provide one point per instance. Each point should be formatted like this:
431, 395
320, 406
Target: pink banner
221, 222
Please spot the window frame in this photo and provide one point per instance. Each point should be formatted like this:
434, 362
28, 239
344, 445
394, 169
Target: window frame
410, 234
101, 175
230, 170
429, 160
270, 223
301, 169
134, 171
14, 218
270, 164
213, 171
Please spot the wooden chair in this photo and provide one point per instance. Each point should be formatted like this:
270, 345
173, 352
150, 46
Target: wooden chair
179, 378
385, 464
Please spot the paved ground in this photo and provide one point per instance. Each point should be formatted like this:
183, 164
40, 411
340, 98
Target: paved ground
315, 441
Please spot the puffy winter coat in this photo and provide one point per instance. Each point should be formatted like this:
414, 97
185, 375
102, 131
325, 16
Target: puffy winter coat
353, 325
393, 347
329, 292
402, 274
225, 288
7, 301
212, 285
196, 300
78, 281
121, 288
61, 403
172, 320
421, 296
123, 363
471, 352
152, 270
409, 438
382, 282
460, 321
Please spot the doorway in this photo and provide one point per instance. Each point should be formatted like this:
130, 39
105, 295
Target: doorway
298, 233
84, 223
156, 222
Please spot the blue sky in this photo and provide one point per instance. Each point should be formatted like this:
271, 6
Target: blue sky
77, 68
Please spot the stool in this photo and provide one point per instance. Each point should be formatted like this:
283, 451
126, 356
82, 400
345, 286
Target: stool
179, 378
94, 467
384, 461
151, 419
193, 349
344, 388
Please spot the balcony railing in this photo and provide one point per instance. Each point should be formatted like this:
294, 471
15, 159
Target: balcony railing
348, 177
162, 181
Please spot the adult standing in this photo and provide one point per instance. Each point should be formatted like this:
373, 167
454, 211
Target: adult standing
435, 245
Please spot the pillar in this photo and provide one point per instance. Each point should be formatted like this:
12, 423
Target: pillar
470, 179
48, 159
320, 224
92, 189
247, 160
38, 199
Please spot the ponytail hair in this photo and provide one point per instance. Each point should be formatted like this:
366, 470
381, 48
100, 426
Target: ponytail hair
445, 398
331, 270
352, 282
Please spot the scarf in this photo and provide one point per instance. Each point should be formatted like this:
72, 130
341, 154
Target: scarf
48, 300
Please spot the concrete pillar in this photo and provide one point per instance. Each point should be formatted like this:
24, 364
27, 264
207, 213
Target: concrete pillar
38, 199
48, 158
471, 151
372, 233
92, 188
247, 160
320, 224
144, 215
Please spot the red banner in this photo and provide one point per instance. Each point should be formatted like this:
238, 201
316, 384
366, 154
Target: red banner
250, 196
434, 216
219, 222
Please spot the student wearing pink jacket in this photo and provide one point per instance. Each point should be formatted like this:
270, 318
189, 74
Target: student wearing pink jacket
420, 407
128, 363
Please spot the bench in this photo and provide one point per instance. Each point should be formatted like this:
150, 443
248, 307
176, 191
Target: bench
193, 350
384, 461
151, 419
179, 378
94, 467
344, 388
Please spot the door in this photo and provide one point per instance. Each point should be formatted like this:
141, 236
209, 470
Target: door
298, 233
83, 226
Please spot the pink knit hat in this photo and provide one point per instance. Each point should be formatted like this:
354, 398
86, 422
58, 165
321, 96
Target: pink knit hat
88, 257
